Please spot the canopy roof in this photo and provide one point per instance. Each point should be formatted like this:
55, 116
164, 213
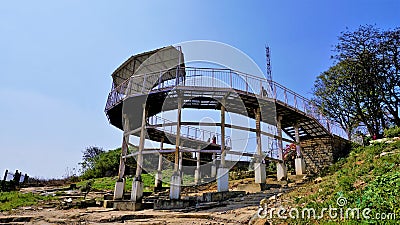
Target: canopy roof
161, 59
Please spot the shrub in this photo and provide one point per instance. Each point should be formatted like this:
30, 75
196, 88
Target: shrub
392, 132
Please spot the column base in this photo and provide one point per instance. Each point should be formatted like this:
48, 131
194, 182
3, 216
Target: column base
223, 179
158, 181
259, 173
137, 190
175, 186
213, 170
281, 171
300, 166
197, 176
119, 189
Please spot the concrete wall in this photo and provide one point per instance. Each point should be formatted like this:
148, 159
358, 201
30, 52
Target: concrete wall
322, 152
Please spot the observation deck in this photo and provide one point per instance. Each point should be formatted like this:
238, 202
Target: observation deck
202, 88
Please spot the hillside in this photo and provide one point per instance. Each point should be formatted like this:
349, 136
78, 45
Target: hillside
364, 188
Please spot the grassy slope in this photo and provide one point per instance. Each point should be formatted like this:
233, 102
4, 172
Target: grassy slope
12, 200
366, 178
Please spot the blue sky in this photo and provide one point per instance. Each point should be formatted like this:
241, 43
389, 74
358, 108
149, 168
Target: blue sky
57, 56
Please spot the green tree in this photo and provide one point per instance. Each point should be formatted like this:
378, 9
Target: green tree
90, 154
334, 93
363, 87
106, 164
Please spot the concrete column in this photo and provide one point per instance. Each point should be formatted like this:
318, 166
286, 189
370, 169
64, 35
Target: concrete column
180, 161
299, 163
158, 180
259, 167
258, 131
124, 150
281, 170
297, 137
175, 186
214, 165
178, 135
279, 132
223, 171
300, 166
137, 183
223, 179
260, 175
119, 188
223, 152
197, 174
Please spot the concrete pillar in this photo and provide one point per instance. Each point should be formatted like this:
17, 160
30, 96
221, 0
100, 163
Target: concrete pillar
223, 170
180, 161
137, 189
281, 171
223, 179
197, 174
297, 137
175, 186
300, 166
119, 188
260, 175
258, 131
137, 183
214, 165
158, 180
223, 152
299, 163
259, 167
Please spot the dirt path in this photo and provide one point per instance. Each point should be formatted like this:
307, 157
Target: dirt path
238, 210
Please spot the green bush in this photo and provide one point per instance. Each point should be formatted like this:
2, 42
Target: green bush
106, 164
382, 194
392, 132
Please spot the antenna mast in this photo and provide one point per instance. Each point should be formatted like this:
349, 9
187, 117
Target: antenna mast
269, 71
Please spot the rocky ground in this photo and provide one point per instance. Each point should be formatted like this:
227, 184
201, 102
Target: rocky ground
238, 210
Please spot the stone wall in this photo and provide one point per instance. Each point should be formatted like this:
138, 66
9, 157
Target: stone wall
322, 152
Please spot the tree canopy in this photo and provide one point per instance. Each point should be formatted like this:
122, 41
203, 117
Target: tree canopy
363, 87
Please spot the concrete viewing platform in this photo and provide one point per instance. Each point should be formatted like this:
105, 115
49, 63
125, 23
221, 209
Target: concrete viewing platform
150, 84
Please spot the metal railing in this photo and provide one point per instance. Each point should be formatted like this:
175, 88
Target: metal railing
222, 78
189, 132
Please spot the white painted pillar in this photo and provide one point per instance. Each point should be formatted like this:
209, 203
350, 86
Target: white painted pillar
137, 183
299, 163
297, 137
258, 131
176, 180
119, 188
214, 165
281, 170
180, 161
124, 150
223, 150
223, 170
158, 180
259, 165
197, 174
